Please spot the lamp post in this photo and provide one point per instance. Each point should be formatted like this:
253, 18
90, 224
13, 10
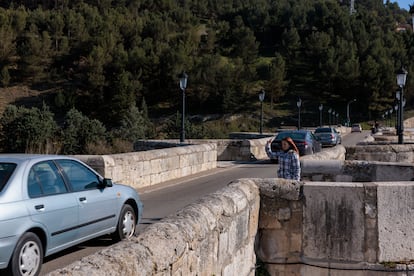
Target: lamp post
386, 118
348, 119
261, 99
183, 85
396, 117
320, 114
329, 115
299, 104
401, 79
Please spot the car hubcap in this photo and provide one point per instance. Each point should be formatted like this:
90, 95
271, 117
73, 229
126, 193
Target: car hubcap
129, 224
29, 259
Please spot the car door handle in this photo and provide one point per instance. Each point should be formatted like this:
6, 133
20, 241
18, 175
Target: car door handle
82, 199
40, 207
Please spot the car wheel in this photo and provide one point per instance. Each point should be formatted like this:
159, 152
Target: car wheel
27, 257
126, 225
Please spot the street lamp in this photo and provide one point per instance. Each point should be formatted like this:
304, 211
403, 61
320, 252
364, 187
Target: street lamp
401, 79
386, 118
183, 85
329, 112
348, 119
299, 104
396, 116
261, 99
320, 114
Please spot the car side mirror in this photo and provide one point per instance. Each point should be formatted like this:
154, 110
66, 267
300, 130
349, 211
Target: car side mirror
107, 182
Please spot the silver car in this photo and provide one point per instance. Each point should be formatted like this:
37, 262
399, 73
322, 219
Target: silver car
328, 136
50, 202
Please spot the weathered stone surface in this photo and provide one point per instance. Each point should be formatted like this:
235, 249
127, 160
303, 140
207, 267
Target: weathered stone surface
395, 221
205, 238
381, 152
393, 171
129, 258
146, 168
333, 167
333, 225
355, 171
335, 153
279, 188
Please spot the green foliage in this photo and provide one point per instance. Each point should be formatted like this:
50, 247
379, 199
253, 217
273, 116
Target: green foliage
79, 131
5, 77
133, 126
28, 130
110, 55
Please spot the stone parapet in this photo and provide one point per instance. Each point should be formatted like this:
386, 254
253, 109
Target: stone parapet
341, 225
355, 171
238, 150
335, 153
381, 152
214, 236
146, 168
364, 226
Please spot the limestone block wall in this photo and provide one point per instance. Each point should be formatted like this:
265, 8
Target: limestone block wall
409, 123
355, 171
344, 225
335, 153
247, 148
214, 236
339, 225
146, 168
280, 229
238, 149
383, 153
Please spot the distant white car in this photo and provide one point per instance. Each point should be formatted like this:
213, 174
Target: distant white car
356, 128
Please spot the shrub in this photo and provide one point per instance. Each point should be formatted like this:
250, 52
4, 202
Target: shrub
28, 130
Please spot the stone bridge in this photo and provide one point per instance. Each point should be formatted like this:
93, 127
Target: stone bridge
346, 213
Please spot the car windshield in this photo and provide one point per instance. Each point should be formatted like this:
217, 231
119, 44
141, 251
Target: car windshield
355, 125
318, 130
6, 170
293, 135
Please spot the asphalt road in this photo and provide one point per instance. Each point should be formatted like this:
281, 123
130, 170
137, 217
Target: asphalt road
166, 198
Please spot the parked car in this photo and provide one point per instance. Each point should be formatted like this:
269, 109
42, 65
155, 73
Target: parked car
51, 202
305, 140
328, 136
356, 128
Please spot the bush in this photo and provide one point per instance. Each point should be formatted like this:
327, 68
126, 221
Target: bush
79, 133
28, 130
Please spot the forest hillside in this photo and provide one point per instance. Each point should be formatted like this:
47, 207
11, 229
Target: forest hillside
103, 60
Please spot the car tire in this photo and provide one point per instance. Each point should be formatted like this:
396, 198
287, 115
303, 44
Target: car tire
27, 258
127, 224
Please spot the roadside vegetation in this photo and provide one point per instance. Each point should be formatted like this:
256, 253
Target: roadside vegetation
106, 72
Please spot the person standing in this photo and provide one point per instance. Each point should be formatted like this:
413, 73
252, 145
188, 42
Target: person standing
289, 164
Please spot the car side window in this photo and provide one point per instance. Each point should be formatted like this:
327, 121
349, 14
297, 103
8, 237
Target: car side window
80, 177
44, 179
6, 170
